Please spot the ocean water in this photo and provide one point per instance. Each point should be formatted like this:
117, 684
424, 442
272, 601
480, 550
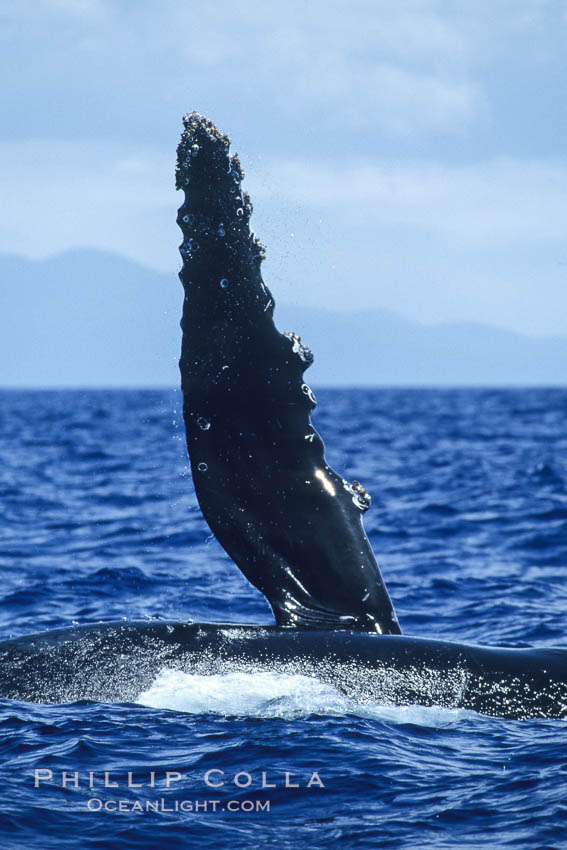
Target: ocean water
99, 521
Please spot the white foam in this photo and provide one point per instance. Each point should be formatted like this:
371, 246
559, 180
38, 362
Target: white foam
267, 694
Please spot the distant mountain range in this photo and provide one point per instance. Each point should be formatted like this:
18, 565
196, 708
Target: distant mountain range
89, 318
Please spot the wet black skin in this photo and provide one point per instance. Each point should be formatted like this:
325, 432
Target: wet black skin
111, 662
292, 525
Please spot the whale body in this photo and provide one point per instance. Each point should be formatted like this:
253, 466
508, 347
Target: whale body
290, 523
112, 662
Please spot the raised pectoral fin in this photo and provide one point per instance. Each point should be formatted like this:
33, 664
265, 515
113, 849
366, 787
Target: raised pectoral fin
290, 523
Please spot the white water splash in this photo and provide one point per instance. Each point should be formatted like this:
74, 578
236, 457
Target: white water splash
281, 695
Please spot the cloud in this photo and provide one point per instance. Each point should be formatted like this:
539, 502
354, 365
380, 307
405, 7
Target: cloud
432, 241
404, 103
59, 195
402, 69
84, 9
497, 201
74, 7
419, 134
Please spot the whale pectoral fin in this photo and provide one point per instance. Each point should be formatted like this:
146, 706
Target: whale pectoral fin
290, 523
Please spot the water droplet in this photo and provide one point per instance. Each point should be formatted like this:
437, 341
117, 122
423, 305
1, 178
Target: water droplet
224, 283
203, 424
202, 467
309, 393
221, 231
239, 212
194, 150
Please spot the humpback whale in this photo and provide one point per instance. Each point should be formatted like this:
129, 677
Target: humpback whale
289, 522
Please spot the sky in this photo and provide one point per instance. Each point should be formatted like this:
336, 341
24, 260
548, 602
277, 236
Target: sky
400, 154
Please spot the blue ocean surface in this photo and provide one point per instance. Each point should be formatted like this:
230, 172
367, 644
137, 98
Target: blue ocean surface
99, 521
